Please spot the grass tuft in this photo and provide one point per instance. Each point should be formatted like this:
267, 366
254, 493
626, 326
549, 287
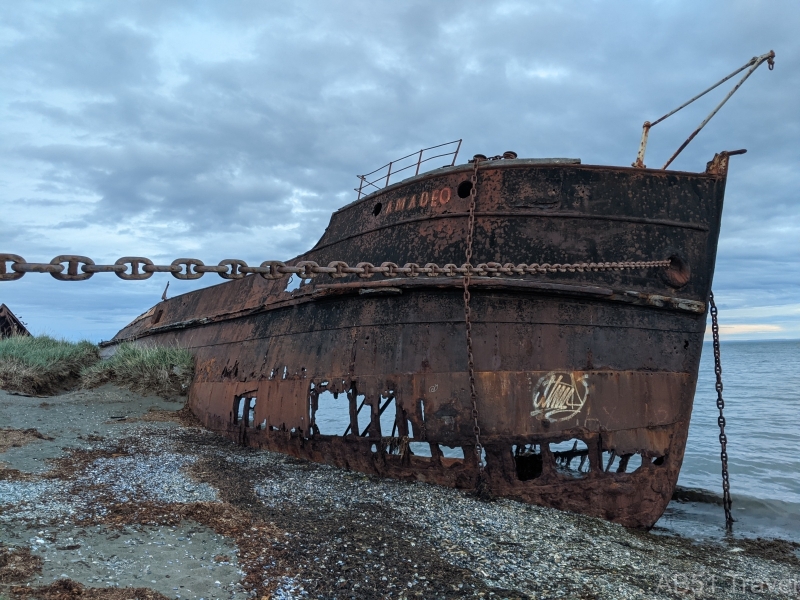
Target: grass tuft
43, 365
146, 370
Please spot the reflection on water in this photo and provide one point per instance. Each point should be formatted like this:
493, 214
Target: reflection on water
762, 408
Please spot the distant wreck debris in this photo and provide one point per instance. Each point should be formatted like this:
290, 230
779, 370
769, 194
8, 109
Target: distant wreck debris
10, 324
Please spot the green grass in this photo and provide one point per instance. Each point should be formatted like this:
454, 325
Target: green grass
162, 371
43, 365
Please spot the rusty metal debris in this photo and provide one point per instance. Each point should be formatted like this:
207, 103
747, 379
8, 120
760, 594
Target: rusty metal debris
9, 324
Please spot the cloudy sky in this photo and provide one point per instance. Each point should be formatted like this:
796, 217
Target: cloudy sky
234, 129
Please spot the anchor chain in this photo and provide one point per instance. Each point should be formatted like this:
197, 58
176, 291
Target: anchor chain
473, 192
80, 268
723, 439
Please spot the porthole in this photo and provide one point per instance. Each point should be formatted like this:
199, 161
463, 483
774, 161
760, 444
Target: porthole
464, 188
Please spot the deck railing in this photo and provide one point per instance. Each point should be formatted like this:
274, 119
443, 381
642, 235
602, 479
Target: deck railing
381, 179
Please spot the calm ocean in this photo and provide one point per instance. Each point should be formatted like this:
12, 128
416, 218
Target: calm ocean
762, 407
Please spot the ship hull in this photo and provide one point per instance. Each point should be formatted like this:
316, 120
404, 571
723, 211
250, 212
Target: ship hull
584, 379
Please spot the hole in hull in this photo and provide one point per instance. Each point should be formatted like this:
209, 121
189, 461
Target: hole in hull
388, 416
528, 459
464, 188
620, 463
422, 449
238, 409
455, 452
332, 416
364, 414
571, 458
634, 463
293, 283
251, 412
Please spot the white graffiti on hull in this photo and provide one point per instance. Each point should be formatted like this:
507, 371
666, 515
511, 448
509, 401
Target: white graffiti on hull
557, 396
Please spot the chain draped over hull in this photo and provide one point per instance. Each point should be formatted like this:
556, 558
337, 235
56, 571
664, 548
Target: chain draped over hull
80, 268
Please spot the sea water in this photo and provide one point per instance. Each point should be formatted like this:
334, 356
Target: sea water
762, 408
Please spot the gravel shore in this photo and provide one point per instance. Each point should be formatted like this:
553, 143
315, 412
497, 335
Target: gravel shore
117, 491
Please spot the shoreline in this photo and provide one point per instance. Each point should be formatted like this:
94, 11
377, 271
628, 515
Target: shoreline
697, 514
127, 484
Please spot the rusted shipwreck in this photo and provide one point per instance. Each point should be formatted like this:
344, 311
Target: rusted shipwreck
584, 374
565, 378
10, 325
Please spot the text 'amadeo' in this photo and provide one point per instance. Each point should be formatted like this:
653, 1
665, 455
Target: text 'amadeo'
434, 198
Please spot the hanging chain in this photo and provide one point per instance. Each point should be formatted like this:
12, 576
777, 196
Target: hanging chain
723, 439
79, 268
473, 192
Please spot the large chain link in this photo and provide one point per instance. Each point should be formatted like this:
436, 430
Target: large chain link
723, 439
476, 429
79, 268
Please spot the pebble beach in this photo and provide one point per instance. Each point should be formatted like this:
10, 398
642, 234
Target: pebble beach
107, 493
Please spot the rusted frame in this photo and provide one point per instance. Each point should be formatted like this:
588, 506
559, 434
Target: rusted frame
247, 401
10, 325
554, 463
358, 412
388, 444
393, 457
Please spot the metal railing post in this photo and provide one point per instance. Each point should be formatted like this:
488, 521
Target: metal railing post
419, 161
456, 153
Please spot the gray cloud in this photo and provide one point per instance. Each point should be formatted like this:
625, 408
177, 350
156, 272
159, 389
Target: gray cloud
174, 128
